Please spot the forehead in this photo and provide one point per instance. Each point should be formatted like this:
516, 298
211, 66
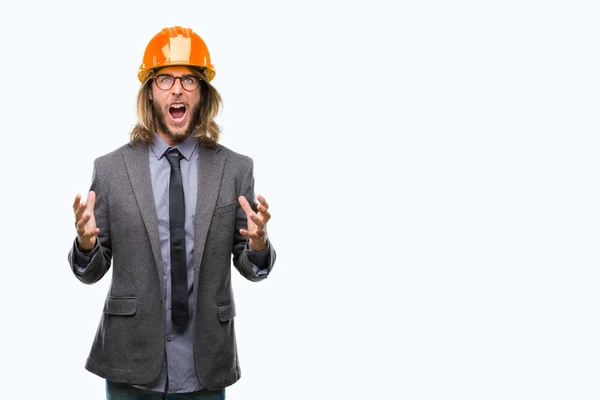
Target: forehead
176, 70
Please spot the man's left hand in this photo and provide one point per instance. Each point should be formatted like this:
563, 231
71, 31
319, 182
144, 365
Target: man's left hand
257, 223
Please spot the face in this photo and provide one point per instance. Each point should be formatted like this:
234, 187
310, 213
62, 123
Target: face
176, 109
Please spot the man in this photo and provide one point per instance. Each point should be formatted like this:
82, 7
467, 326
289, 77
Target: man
168, 211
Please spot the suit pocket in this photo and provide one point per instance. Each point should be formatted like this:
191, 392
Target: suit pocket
226, 312
225, 209
120, 305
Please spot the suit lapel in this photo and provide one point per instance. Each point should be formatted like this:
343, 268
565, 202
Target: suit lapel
210, 172
138, 169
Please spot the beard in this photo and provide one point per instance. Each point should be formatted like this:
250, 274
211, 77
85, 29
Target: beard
179, 136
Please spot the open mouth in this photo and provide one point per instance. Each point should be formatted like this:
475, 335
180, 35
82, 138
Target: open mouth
177, 111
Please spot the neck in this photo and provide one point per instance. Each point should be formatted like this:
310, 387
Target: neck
171, 139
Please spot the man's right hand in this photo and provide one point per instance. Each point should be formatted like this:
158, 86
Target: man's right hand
85, 222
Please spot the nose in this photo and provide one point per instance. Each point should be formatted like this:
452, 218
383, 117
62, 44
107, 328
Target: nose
177, 87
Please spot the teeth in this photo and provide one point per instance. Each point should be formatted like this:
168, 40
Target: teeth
177, 105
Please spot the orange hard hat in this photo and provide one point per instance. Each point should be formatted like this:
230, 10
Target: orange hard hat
176, 46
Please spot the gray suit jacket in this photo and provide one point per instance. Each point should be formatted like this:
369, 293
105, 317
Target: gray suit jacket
130, 341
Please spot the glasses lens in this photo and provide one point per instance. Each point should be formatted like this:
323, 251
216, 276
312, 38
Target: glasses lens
164, 81
190, 82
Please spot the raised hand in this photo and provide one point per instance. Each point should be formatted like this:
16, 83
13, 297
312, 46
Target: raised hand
257, 222
85, 222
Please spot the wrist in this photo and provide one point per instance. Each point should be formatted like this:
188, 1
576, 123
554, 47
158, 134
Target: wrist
86, 246
258, 244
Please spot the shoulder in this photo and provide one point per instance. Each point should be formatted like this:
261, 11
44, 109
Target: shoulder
231, 156
116, 155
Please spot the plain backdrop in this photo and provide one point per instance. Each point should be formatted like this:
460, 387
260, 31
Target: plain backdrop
432, 169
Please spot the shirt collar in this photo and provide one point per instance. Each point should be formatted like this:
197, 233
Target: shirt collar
186, 148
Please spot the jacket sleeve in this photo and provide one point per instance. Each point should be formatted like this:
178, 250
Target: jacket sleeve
100, 258
241, 251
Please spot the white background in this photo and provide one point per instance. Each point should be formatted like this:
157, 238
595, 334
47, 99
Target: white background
432, 169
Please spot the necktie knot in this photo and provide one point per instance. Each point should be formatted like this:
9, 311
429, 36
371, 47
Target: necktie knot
173, 156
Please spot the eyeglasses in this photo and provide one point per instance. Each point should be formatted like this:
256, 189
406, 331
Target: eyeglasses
166, 81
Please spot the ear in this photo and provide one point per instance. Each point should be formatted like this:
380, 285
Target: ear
150, 95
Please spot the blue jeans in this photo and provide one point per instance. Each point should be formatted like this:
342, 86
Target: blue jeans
122, 391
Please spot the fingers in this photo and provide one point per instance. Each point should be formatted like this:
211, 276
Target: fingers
266, 215
85, 221
79, 211
262, 201
91, 200
263, 209
76, 202
245, 206
79, 206
250, 213
81, 222
257, 223
84, 231
256, 235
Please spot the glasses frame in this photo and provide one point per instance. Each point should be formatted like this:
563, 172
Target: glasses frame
180, 81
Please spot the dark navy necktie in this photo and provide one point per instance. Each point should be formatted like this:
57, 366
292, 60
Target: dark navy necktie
179, 286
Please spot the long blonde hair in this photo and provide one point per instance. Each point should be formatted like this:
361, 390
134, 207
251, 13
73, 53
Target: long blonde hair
206, 129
